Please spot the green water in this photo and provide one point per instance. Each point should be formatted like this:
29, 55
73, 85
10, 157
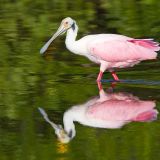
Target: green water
62, 80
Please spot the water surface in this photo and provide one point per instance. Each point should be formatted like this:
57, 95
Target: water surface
61, 80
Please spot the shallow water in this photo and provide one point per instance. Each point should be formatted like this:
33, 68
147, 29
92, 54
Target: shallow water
62, 80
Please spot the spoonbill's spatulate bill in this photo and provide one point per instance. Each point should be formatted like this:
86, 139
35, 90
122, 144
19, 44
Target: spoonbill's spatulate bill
59, 131
111, 51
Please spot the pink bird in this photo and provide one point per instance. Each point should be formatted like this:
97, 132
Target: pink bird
111, 51
109, 110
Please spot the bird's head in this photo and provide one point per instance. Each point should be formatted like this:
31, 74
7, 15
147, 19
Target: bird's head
63, 136
66, 24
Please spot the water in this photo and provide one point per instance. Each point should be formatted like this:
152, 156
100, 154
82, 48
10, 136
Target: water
61, 80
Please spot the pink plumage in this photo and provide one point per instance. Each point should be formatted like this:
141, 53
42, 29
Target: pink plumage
146, 43
118, 51
110, 110
118, 109
124, 50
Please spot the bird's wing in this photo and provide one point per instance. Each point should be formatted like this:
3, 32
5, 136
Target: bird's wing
120, 50
119, 109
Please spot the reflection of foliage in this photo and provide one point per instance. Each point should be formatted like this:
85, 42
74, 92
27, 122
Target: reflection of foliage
28, 81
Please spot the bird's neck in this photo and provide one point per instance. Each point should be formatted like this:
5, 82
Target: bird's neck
71, 38
69, 126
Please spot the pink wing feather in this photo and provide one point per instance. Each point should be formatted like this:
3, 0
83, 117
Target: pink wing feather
147, 43
120, 50
134, 110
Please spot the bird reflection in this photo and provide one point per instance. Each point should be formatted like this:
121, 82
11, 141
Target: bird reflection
108, 110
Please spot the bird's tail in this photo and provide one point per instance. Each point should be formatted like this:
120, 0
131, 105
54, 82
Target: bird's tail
147, 43
146, 116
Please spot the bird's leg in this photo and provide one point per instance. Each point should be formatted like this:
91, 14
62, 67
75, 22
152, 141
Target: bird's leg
99, 85
109, 89
99, 76
103, 67
115, 76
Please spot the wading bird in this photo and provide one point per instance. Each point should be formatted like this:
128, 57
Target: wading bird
111, 51
109, 110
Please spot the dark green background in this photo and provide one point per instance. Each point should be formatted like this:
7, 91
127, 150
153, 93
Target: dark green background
61, 79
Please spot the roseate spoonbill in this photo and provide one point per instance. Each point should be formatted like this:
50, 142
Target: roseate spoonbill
111, 51
109, 110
